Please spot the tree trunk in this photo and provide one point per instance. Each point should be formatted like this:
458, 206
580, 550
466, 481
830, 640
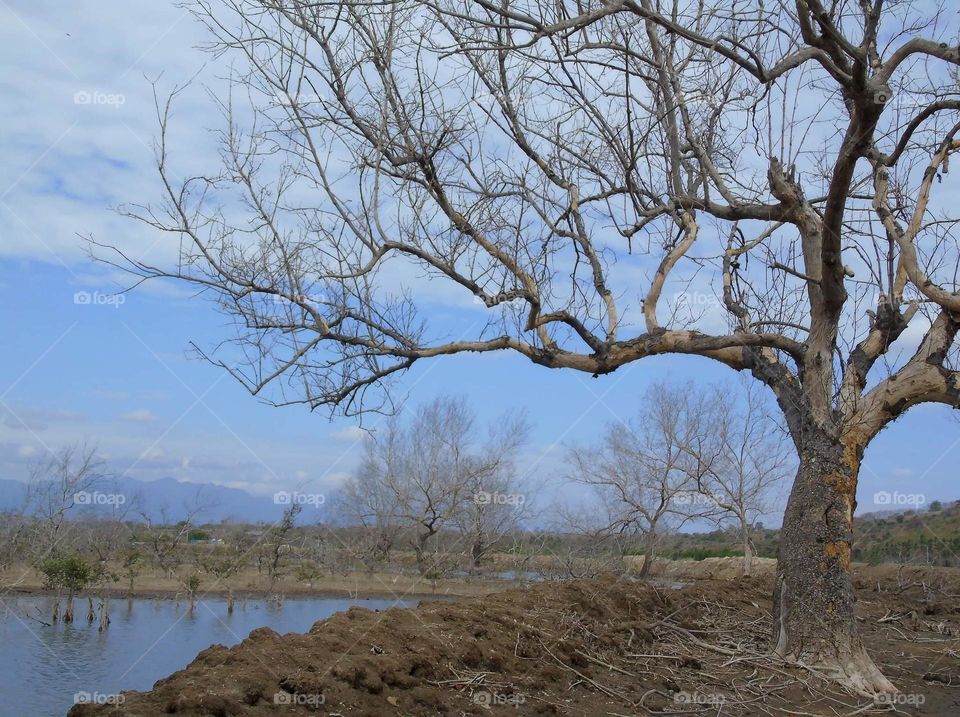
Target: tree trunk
421, 560
104, 614
420, 547
647, 555
814, 621
477, 551
747, 549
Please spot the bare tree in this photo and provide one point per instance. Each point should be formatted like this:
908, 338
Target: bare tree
435, 472
498, 499
164, 537
779, 157
581, 543
739, 453
496, 508
57, 484
642, 470
367, 501
279, 544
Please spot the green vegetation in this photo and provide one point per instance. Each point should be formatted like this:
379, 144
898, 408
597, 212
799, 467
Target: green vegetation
930, 537
70, 574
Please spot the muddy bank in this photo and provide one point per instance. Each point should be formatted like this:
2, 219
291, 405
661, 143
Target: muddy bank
584, 648
362, 585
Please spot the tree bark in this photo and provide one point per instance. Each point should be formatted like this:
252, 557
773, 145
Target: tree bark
747, 553
420, 550
648, 551
814, 601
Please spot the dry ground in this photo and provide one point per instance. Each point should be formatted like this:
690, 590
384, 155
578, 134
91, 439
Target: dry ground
600, 647
24, 579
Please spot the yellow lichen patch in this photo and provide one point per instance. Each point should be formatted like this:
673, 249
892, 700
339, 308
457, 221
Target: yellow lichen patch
851, 455
838, 550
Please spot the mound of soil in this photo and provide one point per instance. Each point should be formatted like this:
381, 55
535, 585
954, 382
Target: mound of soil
601, 647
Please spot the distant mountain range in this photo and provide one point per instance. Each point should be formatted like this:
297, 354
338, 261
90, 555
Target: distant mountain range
167, 500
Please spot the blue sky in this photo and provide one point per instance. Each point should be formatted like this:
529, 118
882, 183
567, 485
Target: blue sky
78, 125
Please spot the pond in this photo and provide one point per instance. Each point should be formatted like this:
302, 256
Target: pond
43, 667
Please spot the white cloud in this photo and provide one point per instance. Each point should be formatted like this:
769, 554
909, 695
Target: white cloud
139, 415
69, 158
349, 434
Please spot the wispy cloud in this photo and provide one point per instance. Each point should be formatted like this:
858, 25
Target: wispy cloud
139, 415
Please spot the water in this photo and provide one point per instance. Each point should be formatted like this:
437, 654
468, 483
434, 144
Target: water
42, 667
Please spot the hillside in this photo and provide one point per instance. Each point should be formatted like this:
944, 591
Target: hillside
929, 537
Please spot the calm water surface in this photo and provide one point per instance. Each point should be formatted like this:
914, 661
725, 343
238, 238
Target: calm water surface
42, 667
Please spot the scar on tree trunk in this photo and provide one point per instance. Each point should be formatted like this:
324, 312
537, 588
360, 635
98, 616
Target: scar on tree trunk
814, 602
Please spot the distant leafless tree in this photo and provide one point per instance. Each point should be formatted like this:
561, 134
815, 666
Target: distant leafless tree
642, 471
498, 500
367, 501
165, 535
740, 454
279, 543
786, 160
437, 470
57, 484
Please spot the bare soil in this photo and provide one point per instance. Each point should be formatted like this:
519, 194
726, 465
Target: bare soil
600, 647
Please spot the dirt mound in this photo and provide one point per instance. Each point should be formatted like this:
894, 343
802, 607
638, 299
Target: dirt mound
583, 648
714, 568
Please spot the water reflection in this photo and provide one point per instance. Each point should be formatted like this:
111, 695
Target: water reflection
43, 665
